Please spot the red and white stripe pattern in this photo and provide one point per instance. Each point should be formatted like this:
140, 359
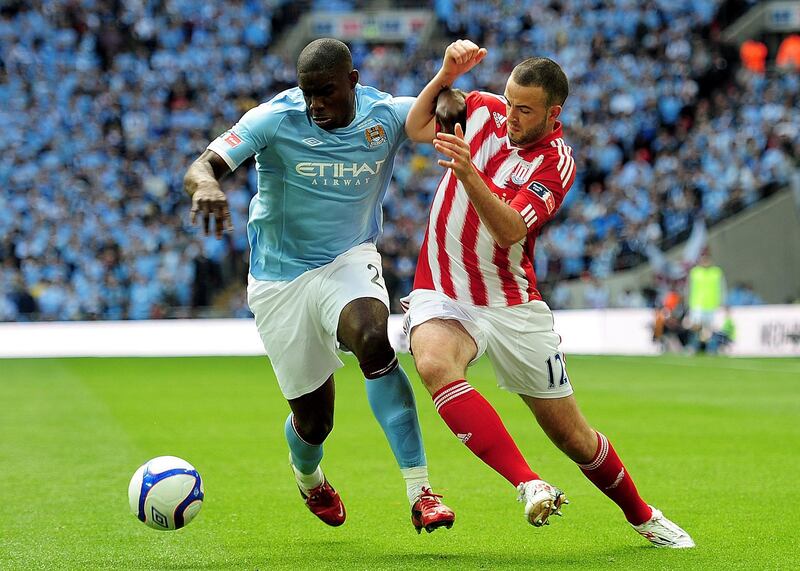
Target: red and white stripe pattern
455, 390
566, 164
459, 257
529, 215
456, 227
600, 457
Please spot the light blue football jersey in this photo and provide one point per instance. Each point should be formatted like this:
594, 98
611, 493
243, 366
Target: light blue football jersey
319, 192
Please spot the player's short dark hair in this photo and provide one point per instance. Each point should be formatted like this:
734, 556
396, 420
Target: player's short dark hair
325, 54
545, 73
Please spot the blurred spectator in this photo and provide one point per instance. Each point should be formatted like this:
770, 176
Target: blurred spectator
630, 299
788, 57
25, 305
104, 104
743, 293
560, 297
669, 326
754, 55
706, 294
595, 293
724, 336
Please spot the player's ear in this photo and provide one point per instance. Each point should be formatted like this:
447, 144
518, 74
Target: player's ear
353, 77
555, 111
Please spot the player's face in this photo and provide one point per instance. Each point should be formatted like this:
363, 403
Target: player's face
529, 116
330, 97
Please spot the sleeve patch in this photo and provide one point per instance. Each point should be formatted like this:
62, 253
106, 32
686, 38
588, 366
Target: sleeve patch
232, 139
544, 194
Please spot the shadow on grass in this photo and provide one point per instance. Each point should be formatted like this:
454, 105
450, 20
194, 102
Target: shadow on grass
368, 559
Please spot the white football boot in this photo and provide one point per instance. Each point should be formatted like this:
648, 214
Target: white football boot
661, 532
541, 500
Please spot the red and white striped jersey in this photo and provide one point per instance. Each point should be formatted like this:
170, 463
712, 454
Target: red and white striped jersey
459, 257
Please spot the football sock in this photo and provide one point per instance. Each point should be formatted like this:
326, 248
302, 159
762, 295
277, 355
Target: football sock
305, 457
392, 401
416, 481
308, 482
475, 422
607, 472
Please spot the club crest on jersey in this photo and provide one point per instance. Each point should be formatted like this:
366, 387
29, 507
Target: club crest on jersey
544, 193
524, 169
376, 136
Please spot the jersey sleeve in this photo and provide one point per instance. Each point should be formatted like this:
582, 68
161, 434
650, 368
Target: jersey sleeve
541, 197
251, 134
400, 106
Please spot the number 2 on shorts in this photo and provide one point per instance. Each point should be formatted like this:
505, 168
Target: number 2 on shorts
376, 279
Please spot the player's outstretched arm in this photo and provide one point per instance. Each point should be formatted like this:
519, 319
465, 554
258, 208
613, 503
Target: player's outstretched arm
459, 57
201, 183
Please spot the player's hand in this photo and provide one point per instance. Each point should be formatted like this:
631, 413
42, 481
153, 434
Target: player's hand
212, 203
460, 57
457, 149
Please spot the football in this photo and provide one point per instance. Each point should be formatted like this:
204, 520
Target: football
166, 493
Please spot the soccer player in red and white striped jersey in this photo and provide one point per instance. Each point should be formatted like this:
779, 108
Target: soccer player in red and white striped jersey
508, 171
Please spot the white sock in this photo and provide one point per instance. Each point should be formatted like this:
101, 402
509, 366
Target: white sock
308, 482
416, 479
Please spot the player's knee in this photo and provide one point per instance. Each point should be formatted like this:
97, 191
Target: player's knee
435, 370
372, 340
314, 430
375, 353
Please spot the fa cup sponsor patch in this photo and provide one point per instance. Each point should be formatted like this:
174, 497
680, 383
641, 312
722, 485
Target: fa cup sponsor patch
544, 193
232, 139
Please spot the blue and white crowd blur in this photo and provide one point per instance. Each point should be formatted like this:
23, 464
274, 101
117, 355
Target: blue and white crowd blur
105, 103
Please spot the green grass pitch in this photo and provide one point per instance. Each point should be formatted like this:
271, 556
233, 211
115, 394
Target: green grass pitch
713, 442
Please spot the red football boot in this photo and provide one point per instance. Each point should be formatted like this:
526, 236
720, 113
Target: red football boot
325, 503
430, 513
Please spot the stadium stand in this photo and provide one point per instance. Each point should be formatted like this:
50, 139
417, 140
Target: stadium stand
105, 103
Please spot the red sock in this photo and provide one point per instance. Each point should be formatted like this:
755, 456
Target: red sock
475, 422
607, 472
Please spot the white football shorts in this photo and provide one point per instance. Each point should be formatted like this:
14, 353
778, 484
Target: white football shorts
297, 319
519, 340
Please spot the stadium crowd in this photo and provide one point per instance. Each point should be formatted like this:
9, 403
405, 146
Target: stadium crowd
105, 103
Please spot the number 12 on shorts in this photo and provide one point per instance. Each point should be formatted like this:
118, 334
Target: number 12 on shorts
563, 378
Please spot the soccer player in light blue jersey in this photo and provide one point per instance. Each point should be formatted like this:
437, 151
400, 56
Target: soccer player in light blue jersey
324, 152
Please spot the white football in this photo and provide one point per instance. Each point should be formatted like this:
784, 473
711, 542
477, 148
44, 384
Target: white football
166, 493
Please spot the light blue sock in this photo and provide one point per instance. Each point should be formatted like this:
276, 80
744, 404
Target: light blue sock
392, 400
305, 457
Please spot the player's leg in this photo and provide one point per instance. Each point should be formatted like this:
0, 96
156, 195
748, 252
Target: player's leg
566, 427
306, 428
286, 319
442, 350
564, 424
354, 306
521, 345
527, 360
363, 329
